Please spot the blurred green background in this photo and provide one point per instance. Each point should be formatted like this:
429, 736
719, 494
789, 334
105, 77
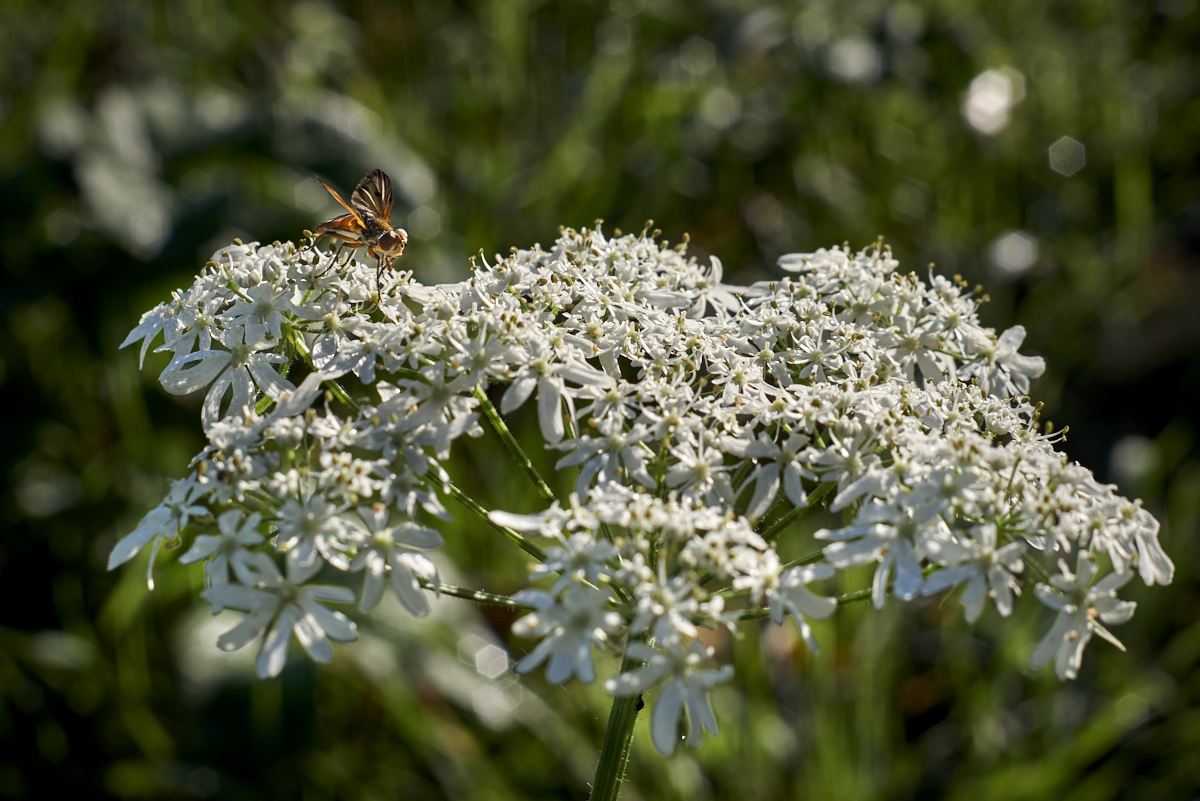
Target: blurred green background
137, 137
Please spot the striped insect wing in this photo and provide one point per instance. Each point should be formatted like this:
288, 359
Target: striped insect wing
373, 196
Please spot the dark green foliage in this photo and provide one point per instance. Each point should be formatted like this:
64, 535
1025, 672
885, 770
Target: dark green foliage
139, 136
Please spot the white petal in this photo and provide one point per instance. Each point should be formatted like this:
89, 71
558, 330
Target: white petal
852, 554
372, 589
336, 626
973, 597
765, 488
243, 392
408, 590
947, 577
563, 658
272, 384
312, 638
210, 412
248, 629
550, 410
664, 722
209, 363
908, 573
518, 393
154, 523
203, 547
793, 487
535, 657
1154, 566
701, 716
418, 536
879, 581
1045, 650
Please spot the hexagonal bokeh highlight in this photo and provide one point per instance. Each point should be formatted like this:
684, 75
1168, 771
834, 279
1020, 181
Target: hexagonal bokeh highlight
494, 706
470, 645
424, 223
491, 661
1067, 156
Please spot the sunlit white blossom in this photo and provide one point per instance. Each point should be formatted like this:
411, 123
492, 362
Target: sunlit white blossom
688, 689
697, 422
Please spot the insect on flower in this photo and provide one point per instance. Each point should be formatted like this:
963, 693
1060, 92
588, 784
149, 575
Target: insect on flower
369, 222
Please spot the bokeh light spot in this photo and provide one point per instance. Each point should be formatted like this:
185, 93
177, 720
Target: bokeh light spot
470, 645
613, 36
697, 55
856, 61
424, 223
627, 8
494, 706
1133, 458
1131, 711
989, 99
1067, 156
721, 108
196, 185
1013, 253
811, 28
491, 661
62, 226
311, 196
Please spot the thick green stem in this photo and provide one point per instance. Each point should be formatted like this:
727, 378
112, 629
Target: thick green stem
336, 390
478, 596
618, 738
815, 556
334, 387
515, 536
513, 446
785, 521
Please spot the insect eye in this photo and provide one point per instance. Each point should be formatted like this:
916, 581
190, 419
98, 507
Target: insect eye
391, 241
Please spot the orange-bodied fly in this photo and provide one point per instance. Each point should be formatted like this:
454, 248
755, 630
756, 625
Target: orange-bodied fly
369, 222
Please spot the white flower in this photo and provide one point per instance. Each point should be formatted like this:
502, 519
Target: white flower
666, 609
689, 687
985, 569
710, 291
149, 327
308, 526
164, 520
999, 367
792, 597
439, 400
912, 346
390, 548
1079, 610
1154, 566
570, 626
240, 367
537, 368
261, 312
280, 607
604, 456
776, 460
696, 399
892, 542
582, 560
229, 550
700, 471
548, 523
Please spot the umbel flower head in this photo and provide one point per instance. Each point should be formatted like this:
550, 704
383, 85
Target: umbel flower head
698, 421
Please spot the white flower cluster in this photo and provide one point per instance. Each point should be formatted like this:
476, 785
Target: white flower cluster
702, 419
